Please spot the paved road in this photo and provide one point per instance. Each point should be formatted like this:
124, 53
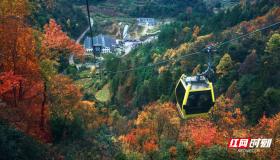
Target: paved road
71, 58
82, 35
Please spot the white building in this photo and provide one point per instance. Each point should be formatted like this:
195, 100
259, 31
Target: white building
146, 21
103, 44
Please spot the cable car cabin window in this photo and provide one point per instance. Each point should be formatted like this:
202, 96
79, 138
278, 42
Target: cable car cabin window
180, 93
199, 102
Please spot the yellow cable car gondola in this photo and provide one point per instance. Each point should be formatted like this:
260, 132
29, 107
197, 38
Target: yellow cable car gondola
195, 94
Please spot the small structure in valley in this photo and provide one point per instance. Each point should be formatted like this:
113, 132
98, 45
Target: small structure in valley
146, 21
103, 44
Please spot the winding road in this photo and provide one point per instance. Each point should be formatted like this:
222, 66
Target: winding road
71, 58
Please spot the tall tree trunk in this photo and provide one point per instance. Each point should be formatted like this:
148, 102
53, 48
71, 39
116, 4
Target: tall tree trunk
14, 61
20, 90
42, 117
15, 97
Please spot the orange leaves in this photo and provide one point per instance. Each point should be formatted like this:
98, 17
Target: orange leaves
17, 47
162, 119
226, 115
130, 138
268, 128
202, 132
16, 8
8, 80
150, 146
64, 92
162, 69
55, 38
272, 16
136, 136
138, 139
155, 122
173, 150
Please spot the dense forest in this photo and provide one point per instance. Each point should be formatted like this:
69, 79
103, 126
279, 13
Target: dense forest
50, 110
67, 14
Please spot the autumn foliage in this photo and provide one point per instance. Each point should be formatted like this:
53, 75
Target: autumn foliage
8, 81
200, 131
55, 38
141, 121
157, 121
24, 81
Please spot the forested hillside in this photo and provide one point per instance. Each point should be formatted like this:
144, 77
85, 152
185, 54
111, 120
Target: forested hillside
126, 108
66, 13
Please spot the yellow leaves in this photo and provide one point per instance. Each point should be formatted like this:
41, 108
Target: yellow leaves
186, 30
272, 46
156, 57
142, 117
203, 39
88, 112
172, 53
162, 69
196, 30
183, 48
225, 65
13, 8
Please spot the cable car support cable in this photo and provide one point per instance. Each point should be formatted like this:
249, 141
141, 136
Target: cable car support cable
194, 53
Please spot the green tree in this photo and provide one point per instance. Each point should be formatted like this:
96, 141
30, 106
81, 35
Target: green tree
271, 61
225, 65
272, 105
216, 153
16, 145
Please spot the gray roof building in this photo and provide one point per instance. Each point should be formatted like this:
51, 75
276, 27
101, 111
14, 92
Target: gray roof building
146, 21
105, 41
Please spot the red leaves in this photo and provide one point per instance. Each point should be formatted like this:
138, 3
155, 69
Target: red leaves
8, 80
155, 122
130, 138
55, 38
202, 132
226, 115
150, 146
268, 128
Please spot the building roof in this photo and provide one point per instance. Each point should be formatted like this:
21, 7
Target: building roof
100, 40
146, 21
